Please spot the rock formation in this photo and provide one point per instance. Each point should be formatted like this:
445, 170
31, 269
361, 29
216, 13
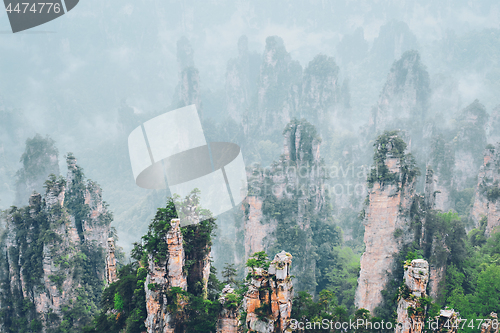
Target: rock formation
404, 98
487, 196
53, 249
229, 317
395, 38
174, 276
492, 325
187, 91
494, 126
241, 80
164, 274
469, 143
448, 321
287, 205
440, 180
320, 91
386, 218
278, 90
268, 301
411, 311
40, 159
111, 262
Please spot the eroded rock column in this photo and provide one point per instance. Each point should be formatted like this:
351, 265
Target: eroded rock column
411, 306
268, 301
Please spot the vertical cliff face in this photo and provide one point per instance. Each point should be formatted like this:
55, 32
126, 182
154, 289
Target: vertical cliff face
469, 144
276, 83
55, 253
188, 89
487, 195
241, 80
287, 207
320, 91
387, 218
268, 301
494, 126
229, 317
455, 157
40, 159
178, 273
403, 102
394, 39
411, 307
164, 274
442, 164
111, 262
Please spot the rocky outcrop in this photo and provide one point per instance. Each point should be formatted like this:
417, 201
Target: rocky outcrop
241, 79
387, 219
229, 317
47, 251
320, 91
287, 204
487, 196
268, 301
40, 159
111, 262
491, 325
187, 91
440, 180
469, 143
448, 321
277, 90
494, 126
164, 274
255, 231
403, 101
411, 311
395, 38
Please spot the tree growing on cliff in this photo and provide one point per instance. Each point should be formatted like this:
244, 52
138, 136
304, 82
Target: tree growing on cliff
229, 274
391, 145
124, 302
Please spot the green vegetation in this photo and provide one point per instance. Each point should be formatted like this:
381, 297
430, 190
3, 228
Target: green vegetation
327, 308
124, 302
39, 160
390, 145
229, 274
472, 285
38, 228
471, 263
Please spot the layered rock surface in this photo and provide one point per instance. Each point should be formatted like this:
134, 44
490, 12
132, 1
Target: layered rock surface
468, 144
492, 325
277, 90
411, 312
387, 226
404, 98
241, 80
40, 159
187, 91
494, 126
46, 248
487, 195
320, 91
229, 317
288, 196
268, 301
164, 274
